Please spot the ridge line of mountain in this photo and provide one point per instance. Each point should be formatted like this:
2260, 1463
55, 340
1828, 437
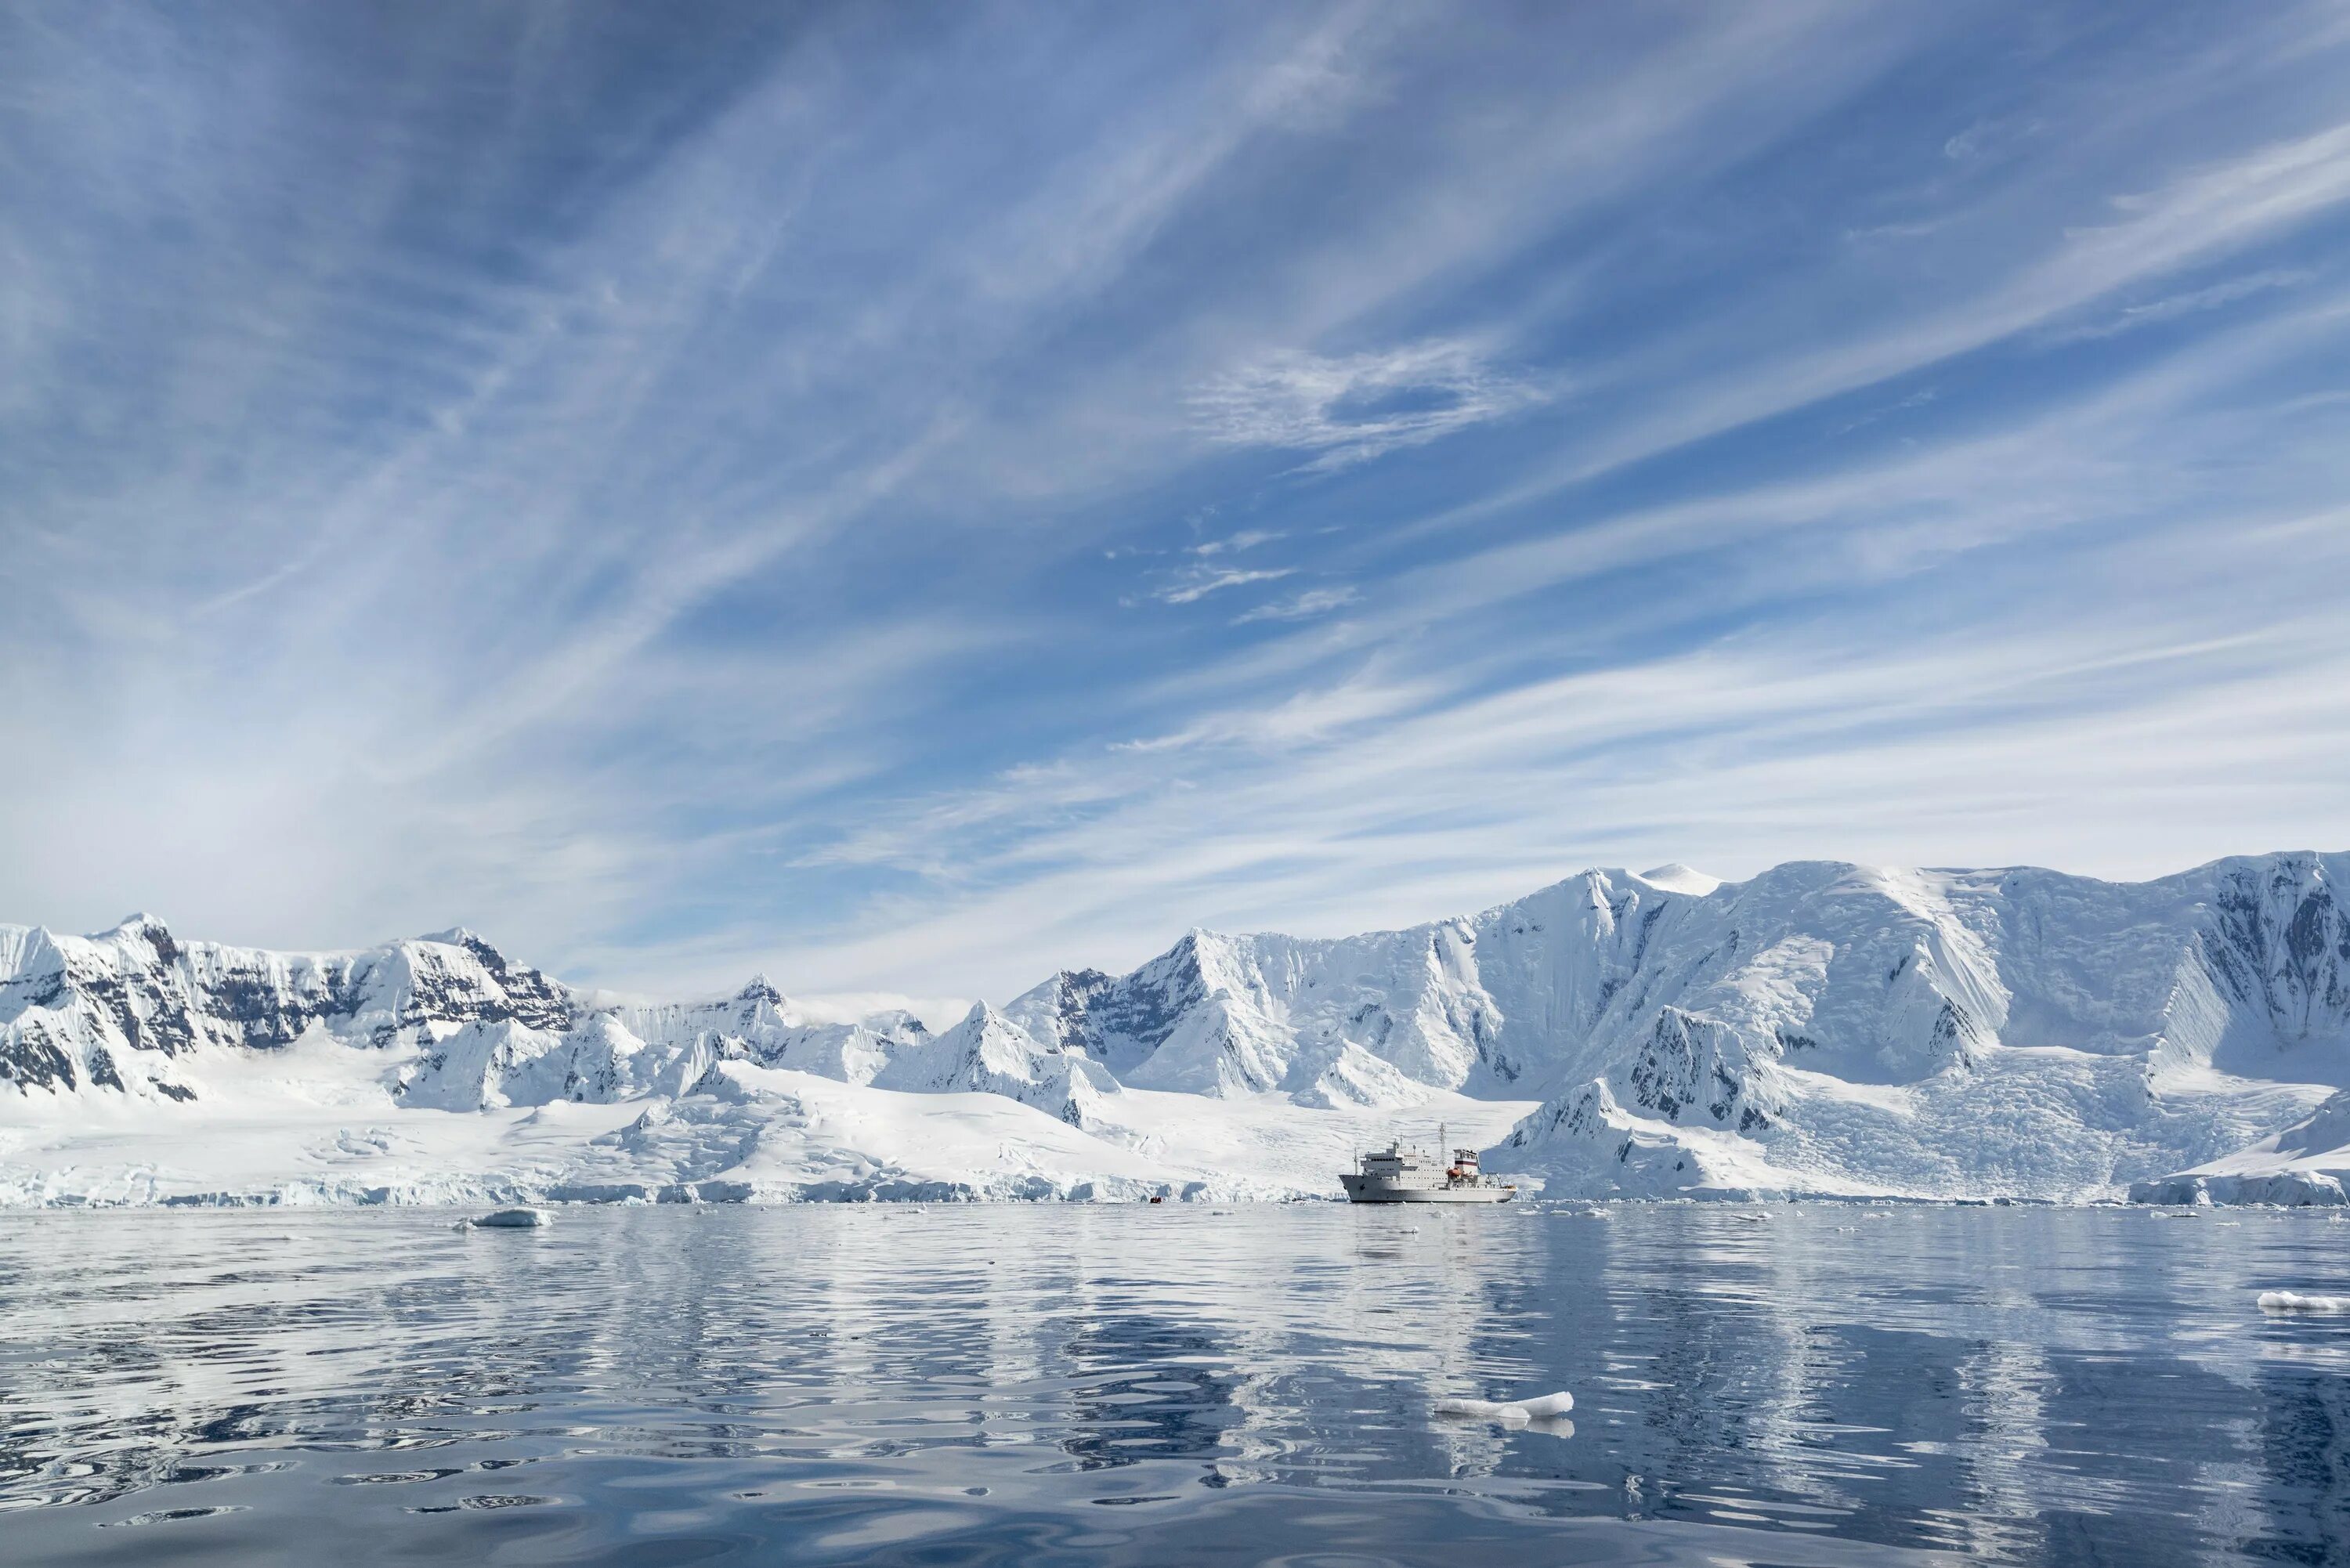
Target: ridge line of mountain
1821, 1026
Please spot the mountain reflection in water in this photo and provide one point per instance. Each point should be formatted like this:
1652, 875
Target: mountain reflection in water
1043, 1384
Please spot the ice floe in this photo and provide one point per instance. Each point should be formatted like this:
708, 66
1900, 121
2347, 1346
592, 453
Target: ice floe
1545, 1407
2293, 1300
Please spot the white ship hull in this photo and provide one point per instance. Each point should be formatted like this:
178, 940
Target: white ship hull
1366, 1190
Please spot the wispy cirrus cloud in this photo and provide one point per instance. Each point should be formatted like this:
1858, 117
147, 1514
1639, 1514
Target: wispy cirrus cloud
1351, 409
1198, 583
1246, 539
1306, 606
665, 492
2193, 301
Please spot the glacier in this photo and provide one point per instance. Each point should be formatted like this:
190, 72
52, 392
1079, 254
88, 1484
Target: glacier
1820, 1030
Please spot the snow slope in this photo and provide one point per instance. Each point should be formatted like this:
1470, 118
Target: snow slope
1821, 1028
2308, 1163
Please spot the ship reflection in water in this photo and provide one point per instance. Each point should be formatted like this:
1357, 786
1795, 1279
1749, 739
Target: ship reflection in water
1144, 1385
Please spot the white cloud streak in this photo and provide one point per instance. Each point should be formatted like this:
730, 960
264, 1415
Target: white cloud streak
2210, 211
1308, 606
2190, 303
1199, 585
1353, 408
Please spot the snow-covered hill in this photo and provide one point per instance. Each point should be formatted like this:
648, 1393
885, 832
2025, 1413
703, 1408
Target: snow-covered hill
1821, 1028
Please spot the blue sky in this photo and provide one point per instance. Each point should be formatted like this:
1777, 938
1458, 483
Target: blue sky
907, 497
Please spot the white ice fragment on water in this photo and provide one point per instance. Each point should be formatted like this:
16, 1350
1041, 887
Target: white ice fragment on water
515, 1220
2293, 1300
1512, 1411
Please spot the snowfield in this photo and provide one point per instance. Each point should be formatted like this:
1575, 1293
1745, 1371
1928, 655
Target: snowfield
1821, 1029
745, 1134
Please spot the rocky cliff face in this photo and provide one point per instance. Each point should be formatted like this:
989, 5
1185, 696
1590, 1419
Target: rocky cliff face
1368, 1020
1819, 1027
128, 1009
2277, 941
989, 1053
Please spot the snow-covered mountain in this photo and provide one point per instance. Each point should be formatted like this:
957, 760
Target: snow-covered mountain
1829, 1027
1821, 1028
126, 1010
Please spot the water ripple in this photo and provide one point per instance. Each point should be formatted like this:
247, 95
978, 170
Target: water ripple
1047, 1385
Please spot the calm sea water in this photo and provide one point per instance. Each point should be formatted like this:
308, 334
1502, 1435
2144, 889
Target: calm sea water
1053, 1385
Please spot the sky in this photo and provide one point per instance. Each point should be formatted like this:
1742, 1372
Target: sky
906, 498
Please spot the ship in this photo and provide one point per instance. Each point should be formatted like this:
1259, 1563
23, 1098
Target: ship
1399, 1175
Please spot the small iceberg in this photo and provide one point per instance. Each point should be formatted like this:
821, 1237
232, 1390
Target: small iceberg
1512, 1412
513, 1219
2293, 1300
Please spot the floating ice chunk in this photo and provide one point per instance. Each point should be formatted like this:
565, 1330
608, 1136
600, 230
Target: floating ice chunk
515, 1220
1511, 1412
2293, 1300
1485, 1410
